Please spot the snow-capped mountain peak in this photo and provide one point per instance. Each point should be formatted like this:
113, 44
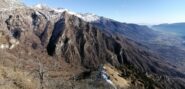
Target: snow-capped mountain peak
41, 6
60, 10
86, 17
89, 17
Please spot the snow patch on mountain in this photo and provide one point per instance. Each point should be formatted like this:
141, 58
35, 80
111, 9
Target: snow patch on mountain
90, 17
105, 76
39, 6
60, 10
85, 16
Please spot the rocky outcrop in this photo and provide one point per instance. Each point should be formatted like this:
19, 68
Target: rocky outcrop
82, 43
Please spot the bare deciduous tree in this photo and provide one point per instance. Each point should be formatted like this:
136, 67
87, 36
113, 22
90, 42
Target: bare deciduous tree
40, 72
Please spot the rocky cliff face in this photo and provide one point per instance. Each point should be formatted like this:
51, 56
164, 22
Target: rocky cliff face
79, 48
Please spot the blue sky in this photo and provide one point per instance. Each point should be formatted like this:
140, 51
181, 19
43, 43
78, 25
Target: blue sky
131, 11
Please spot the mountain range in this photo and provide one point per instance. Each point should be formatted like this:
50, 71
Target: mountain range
174, 28
46, 48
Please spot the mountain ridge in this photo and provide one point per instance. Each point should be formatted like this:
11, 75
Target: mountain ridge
76, 50
177, 28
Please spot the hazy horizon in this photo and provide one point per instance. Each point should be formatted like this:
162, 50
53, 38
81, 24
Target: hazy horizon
147, 12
